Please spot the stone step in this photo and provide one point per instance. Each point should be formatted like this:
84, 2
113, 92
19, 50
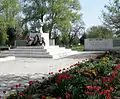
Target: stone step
30, 47
28, 55
25, 52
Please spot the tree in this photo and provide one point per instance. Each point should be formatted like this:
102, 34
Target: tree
76, 31
8, 11
55, 14
63, 14
3, 33
34, 12
71, 38
111, 17
82, 39
99, 32
18, 27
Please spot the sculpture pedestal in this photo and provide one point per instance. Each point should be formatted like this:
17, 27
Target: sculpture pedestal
46, 38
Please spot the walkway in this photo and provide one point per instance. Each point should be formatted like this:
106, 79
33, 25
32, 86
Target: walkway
23, 70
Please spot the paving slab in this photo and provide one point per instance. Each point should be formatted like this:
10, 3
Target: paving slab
23, 70
32, 65
39, 65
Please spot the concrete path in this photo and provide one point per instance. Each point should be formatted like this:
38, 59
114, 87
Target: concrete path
43, 66
23, 70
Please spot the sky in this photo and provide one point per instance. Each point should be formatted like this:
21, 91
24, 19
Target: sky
92, 10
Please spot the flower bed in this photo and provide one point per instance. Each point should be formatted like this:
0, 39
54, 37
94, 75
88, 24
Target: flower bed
95, 78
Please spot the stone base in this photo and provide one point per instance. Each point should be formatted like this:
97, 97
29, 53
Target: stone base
59, 52
7, 58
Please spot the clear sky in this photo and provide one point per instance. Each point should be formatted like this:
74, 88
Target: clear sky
92, 10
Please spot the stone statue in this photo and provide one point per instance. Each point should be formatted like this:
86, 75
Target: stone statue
41, 23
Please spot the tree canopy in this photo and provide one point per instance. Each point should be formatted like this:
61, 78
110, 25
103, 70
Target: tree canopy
55, 14
58, 17
99, 32
8, 11
111, 16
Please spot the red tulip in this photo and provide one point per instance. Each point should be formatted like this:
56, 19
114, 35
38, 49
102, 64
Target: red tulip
29, 97
21, 93
60, 70
30, 82
67, 96
25, 86
12, 88
17, 86
43, 97
20, 85
4, 92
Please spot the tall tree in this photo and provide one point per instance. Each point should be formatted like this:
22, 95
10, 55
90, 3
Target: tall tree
63, 13
34, 12
77, 30
99, 32
56, 14
8, 10
3, 33
19, 27
111, 17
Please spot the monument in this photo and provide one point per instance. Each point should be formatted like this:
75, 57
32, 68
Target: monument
42, 37
102, 44
50, 50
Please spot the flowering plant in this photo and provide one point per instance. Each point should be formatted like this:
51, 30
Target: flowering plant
93, 78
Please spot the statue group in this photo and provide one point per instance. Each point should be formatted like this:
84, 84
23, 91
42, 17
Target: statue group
35, 41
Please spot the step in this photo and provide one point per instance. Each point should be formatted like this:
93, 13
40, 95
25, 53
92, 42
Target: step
30, 47
28, 55
57, 49
34, 50
25, 52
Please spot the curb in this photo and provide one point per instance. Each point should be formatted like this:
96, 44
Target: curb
7, 58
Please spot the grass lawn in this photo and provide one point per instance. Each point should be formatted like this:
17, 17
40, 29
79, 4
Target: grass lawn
78, 48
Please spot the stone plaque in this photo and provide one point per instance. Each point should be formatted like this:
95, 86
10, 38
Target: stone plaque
116, 42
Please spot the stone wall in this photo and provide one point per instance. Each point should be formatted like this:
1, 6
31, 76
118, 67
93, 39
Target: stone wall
102, 44
52, 42
21, 42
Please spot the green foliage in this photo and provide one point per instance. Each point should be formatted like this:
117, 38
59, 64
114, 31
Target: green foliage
99, 32
11, 35
78, 47
111, 16
19, 27
82, 39
56, 14
78, 82
3, 35
74, 86
63, 14
4, 48
64, 39
8, 10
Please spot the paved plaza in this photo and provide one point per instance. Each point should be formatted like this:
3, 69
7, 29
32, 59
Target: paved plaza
39, 65
23, 70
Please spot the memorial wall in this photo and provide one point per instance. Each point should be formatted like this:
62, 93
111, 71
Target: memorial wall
102, 44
